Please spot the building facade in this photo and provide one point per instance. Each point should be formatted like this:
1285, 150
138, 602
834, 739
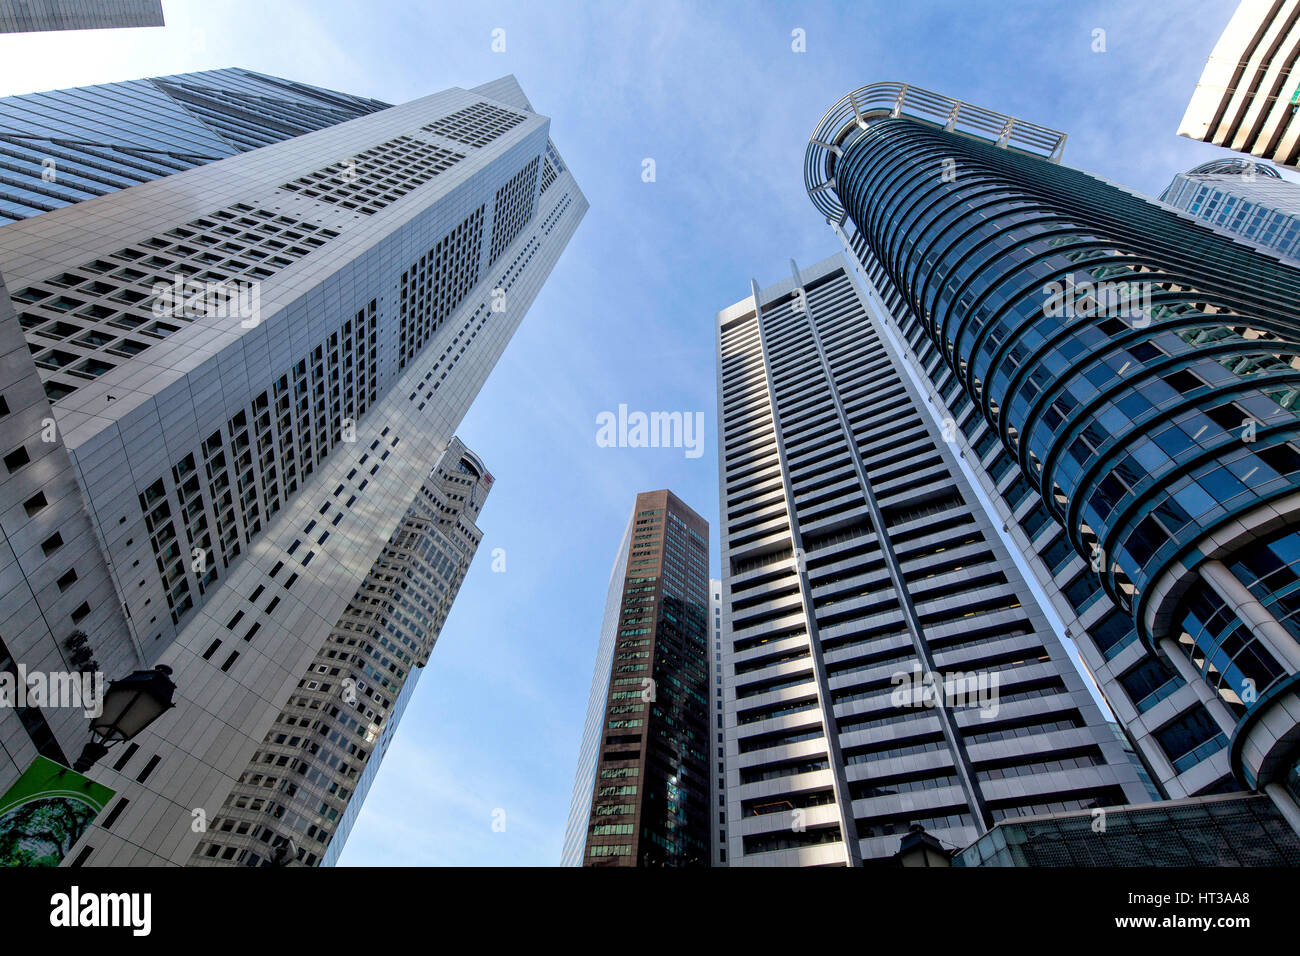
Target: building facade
884, 661
1245, 198
1246, 98
717, 740
1237, 829
330, 303
308, 780
641, 793
67, 146
36, 16
1122, 381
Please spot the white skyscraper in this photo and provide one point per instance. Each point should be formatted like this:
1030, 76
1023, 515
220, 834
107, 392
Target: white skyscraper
222, 392
884, 663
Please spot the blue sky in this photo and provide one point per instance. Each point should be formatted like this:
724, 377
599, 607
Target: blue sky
715, 95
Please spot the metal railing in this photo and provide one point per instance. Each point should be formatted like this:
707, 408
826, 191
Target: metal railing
857, 109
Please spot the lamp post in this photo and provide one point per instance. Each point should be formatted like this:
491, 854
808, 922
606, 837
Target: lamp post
284, 853
130, 705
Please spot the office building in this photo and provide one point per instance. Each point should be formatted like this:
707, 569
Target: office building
1247, 97
1245, 198
641, 794
885, 663
717, 749
58, 148
223, 392
36, 16
330, 738
1121, 379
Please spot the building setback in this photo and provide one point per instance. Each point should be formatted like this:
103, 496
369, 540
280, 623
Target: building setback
856, 564
248, 368
641, 794
1122, 380
1246, 97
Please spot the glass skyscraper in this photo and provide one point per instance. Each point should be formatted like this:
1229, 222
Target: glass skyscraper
1246, 198
641, 794
1123, 380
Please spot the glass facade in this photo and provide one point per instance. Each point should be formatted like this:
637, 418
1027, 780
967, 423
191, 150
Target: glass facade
65, 146
1245, 197
1238, 830
641, 795
1130, 371
1131, 423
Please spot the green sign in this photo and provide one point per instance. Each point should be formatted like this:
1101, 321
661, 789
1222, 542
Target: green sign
45, 812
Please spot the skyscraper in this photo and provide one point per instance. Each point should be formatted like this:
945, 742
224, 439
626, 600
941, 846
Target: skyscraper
224, 390
1122, 380
34, 16
641, 794
332, 733
885, 663
1245, 198
1249, 92
59, 148
717, 723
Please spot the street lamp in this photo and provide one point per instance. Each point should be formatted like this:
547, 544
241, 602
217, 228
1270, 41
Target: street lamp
284, 852
130, 705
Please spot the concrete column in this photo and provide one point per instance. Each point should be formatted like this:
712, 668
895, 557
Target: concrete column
1252, 613
1188, 672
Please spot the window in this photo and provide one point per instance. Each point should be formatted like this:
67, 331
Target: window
16, 459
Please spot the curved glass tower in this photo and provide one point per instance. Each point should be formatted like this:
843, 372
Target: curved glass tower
1140, 369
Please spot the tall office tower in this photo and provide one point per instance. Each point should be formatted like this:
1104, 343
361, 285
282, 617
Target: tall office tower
1245, 198
717, 743
330, 737
34, 16
223, 390
858, 571
1122, 380
641, 792
66, 146
1247, 96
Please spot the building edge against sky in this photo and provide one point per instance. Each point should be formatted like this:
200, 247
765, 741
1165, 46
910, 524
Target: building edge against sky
377, 650
641, 796
1189, 628
1245, 198
890, 571
386, 260
1245, 98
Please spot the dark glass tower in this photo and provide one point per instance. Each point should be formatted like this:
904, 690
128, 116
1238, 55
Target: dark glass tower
641, 794
1139, 370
